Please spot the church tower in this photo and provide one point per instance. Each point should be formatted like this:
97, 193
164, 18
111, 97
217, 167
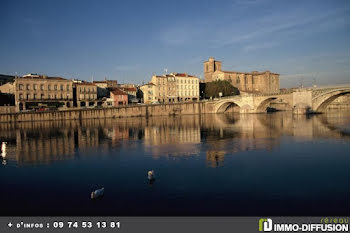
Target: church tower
210, 67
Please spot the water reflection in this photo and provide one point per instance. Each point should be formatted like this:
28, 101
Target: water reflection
171, 137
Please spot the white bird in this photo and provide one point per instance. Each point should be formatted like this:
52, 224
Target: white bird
97, 193
3, 149
151, 175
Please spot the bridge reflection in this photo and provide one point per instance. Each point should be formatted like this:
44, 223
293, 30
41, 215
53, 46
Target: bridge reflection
214, 135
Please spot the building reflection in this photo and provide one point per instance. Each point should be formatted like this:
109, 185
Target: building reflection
215, 135
172, 136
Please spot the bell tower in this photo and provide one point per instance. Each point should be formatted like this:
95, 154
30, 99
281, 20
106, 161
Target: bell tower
210, 67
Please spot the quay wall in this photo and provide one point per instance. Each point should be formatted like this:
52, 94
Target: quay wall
7, 109
115, 112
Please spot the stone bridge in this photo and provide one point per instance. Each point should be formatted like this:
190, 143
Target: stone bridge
300, 101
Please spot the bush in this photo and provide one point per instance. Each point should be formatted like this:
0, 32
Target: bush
212, 89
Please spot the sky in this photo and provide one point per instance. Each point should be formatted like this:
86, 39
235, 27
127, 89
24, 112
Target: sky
307, 42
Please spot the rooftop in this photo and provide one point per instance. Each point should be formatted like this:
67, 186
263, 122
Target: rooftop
42, 77
253, 72
152, 84
128, 88
117, 91
84, 84
176, 75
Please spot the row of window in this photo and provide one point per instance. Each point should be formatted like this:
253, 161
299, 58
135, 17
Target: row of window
35, 96
187, 87
179, 87
88, 89
182, 93
191, 81
187, 93
42, 87
188, 81
87, 96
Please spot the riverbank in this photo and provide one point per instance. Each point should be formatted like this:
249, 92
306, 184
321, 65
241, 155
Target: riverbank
116, 112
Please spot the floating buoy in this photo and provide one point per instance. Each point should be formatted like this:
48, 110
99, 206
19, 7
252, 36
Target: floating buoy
97, 193
151, 175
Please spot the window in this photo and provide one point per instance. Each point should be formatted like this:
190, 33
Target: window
35, 86
20, 86
28, 87
49, 87
55, 87
61, 87
67, 87
42, 96
28, 96
34, 96
42, 87
20, 96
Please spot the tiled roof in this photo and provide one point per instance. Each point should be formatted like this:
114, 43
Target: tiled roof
43, 77
252, 73
152, 84
84, 84
117, 91
128, 88
99, 81
176, 75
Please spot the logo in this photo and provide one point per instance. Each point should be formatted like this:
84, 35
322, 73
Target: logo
335, 225
265, 224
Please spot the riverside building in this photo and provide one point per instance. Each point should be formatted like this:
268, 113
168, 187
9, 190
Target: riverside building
34, 91
260, 82
175, 87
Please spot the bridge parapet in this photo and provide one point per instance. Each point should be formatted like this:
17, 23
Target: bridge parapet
301, 100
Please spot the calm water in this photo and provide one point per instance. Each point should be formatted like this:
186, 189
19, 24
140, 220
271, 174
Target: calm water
263, 164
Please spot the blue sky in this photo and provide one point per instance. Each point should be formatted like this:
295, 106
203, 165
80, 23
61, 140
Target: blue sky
130, 40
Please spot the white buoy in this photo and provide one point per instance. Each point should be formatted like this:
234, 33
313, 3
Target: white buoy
151, 175
97, 193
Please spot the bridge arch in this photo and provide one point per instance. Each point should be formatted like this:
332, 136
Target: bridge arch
262, 106
321, 101
225, 105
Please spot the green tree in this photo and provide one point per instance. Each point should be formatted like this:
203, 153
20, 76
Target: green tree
212, 89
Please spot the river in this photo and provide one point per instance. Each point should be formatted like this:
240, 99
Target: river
208, 165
